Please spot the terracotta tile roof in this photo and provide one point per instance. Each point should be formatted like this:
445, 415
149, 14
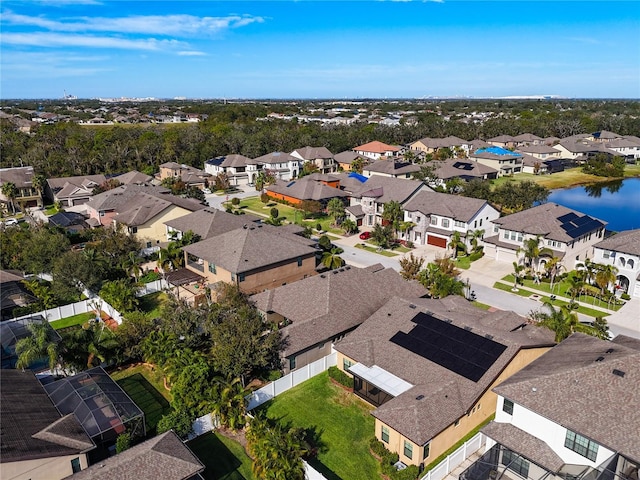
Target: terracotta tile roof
325, 305
627, 242
440, 396
376, 147
575, 385
163, 457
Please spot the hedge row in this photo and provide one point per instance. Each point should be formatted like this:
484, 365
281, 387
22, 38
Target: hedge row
388, 461
341, 377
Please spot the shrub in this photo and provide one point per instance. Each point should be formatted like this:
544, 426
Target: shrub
228, 210
123, 442
625, 296
274, 375
324, 242
409, 473
377, 446
179, 422
341, 377
476, 256
409, 244
264, 198
319, 226
274, 212
150, 276
235, 201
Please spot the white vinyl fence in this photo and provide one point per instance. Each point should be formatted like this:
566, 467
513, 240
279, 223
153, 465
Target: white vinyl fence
152, 287
456, 458
290, 380
83, 306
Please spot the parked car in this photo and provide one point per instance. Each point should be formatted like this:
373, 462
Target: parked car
365, 235
10, 222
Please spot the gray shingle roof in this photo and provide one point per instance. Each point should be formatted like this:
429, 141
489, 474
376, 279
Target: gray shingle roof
454, 167
392, 167
457, 207
446, 396
210, 222
348, 157
134, 177
276, 157
256, 246
21, 177
397, 189
235, 160
78, 182
537, 149
573, 385
323, 306
31, 426
163, 457
627, 242
551, 221
312, 153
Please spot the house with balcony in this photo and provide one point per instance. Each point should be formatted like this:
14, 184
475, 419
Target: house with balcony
622, 250
566, 233
236, 167
376, 150
142, 210
429, 366
27, 195
506, 162
282, 165
572, 413
38, 442
255, 257
436, 216
72, 191
312, 314
320, 157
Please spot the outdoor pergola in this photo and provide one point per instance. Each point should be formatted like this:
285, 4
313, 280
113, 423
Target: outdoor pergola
100, 405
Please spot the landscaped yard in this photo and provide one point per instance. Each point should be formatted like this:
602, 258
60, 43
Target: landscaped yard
152, 304
224, 459
341, 420
72, 321
377, 250
146, 389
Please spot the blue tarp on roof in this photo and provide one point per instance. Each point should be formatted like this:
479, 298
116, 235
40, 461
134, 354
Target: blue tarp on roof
498, 151
357, 176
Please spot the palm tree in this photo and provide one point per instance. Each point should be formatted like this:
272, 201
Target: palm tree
349, 226
229, 404
576, 285
456, 243
170, 258
404, 227
587, 270
553, 268
605, 276
42, 343
563, 322
131, 265
335, 209
159, 347
88, 347
517, 272
532, 252
39, 182
475, 236
393, 215
332, 259
10, 191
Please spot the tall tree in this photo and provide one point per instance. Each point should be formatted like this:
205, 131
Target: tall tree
332, 259
411, 266
563, 322
10, 191
40, 344
393, 215
229, 404
335, 208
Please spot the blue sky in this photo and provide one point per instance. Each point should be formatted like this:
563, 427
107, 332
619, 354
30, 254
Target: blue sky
331, 49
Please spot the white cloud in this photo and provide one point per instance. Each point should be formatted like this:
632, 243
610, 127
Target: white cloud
191, 53
55, 40
167, 25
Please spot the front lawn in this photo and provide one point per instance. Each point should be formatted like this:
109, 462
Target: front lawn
377, 250
342, 421
72, 321
152, 304
223, 458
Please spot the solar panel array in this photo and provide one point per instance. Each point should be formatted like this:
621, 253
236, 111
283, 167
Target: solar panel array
576, 226
456, 349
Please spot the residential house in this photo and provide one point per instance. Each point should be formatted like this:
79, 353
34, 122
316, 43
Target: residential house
255, 257
540, 151
190, 176
71, 191
527, 140
432, 145
134, 177
568, 234
503, 141
429, 366
207, 222
38, 443
437, 216
627, 147
282, 165
71, 222
27, 195
320, 157
396, 168
622, 250
345, 159
312, 314
317, 186
13, 293
163, 457
504, 161
572, 413
368, 198
581, 149
236, 167
142, 210
534, 165
603, 136
463, 169
376, 150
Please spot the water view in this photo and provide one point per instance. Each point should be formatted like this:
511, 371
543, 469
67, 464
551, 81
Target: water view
617, 203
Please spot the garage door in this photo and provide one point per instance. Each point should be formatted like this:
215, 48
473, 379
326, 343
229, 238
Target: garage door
437, 241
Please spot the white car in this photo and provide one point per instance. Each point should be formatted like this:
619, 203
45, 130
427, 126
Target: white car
10, 222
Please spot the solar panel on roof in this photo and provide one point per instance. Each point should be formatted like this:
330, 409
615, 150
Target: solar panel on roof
456, 349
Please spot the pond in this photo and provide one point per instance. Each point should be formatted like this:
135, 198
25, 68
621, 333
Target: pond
617, 203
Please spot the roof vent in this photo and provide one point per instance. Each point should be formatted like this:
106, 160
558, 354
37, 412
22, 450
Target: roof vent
389, 314
347, 267
599, 359
617, 372
448, 320
335, 272
468, 328
412, 306
611, 350
490, 337
419, 397
323, 276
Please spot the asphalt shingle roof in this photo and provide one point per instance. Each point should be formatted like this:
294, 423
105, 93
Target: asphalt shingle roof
457, 207
627, 242
210, 222
397, 189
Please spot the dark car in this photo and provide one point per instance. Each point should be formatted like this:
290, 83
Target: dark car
365, 235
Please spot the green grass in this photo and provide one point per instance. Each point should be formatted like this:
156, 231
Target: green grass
342, 421
386, 253
152, 375
152, 304
223, 458
463, 262
147, 397
50, 210
72, 321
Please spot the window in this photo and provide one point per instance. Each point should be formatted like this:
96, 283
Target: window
425, 451
241, 277
445, 222
233, 277
581, 445
459, 224
456, 423
408, 449
75, 465
149, 244
299, 261
384, 434
418, 219
346, 363
507, 406
133, 229
102, 214
212, 268
434, 221
496, 229
292, 363
515, 463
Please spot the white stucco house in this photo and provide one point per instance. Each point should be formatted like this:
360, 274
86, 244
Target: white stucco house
622, 250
